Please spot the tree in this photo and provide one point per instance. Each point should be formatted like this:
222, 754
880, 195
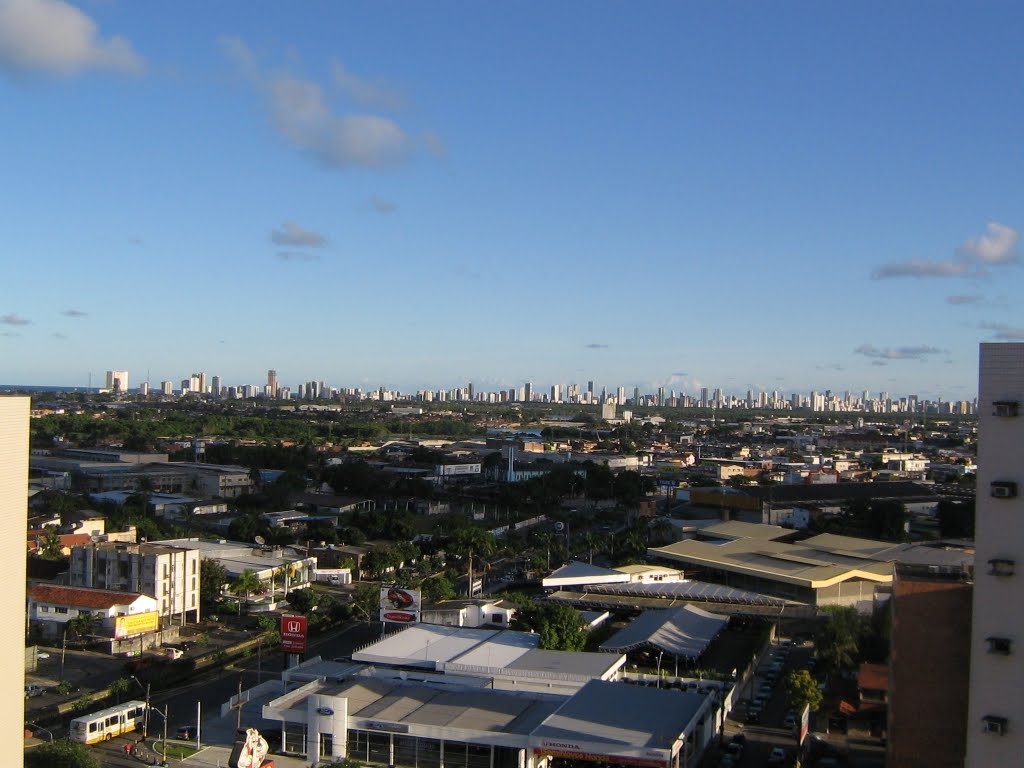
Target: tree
839, 637
560, 627
470, 541
956, 519
437, 588
119, 688
245, 583
83, 625
366, 601
51, 548
212, 578
303, 600
61, 754
801, 689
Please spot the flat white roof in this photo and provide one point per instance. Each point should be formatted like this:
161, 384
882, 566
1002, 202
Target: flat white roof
431, 646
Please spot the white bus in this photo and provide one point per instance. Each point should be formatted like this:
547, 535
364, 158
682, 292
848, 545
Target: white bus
108, 723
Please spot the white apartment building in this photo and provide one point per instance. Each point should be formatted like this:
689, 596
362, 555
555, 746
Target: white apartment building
117, 381
995, 725
168, 574
14, 420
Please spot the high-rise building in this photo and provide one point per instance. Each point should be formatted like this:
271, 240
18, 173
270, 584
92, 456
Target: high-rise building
995, 721
144, 388
167, 387
661, 396
929, 667
528, 392
215, 386
14, 428
117, 382
272, 383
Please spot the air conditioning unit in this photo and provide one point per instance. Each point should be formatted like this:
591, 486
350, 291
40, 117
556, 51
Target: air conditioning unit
1001, 566
994, 725
1002, 646
1004, 408
1004, 489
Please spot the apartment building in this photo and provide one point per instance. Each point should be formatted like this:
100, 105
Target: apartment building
14, 420
995, 720
168, 574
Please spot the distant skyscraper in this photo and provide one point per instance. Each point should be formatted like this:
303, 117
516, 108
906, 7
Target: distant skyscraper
472, 391
144, 388
272, 382
661, 396
556, 393
620, 396
215, 386
167, 387
528, 392
636, 396
704, 397
117, 381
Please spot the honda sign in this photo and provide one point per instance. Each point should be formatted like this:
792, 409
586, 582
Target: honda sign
293, 634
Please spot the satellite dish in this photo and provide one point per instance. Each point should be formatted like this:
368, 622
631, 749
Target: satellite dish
260, 540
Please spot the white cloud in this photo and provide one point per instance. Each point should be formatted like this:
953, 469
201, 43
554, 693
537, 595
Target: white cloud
363, 91
14, 318
997, 246
897, 353
380, 205
297, 256
1004, 332
960, 299
302, 114
55, 38
293, 234
925, 268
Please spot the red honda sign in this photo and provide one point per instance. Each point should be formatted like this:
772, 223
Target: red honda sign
293, 634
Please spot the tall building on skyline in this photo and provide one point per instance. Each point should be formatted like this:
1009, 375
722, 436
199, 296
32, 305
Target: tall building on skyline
995, 721
117, 381
14, 450
272, 383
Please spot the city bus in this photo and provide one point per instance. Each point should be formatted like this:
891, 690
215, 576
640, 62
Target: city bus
108, 723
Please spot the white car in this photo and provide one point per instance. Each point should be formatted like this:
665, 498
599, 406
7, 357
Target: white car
42, 655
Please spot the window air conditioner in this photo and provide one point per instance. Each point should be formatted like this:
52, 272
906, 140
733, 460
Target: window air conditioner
1004, 408
994, 725
1004, 489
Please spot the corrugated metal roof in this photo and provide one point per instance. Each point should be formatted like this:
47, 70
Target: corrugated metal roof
685, 631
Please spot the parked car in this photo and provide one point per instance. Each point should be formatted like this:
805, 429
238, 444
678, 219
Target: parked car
185, 732
32, 690
186, 645
777, 756
174, 653
42, 655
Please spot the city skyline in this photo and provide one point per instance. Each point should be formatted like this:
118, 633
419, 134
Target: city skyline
793, 198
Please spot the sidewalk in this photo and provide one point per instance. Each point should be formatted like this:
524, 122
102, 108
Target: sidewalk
217, 757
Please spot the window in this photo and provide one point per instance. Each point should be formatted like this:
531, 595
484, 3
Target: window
60, 609
44, 609
994, 725
92, 727
1000, 645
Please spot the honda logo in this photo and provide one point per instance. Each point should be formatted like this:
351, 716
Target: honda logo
294, 626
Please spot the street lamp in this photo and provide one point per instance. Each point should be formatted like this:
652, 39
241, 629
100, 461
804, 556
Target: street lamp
145, 716
163, 716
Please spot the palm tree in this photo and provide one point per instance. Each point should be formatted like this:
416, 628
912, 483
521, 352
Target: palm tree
591, 541
246, 582
470, 541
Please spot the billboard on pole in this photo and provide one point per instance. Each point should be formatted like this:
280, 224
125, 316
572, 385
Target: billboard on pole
399, 605
293, 634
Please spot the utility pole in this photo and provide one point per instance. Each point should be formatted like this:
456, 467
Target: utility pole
165, 736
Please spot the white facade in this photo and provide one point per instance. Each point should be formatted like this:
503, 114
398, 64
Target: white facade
117, 381
14, 420
170, 575
995, 720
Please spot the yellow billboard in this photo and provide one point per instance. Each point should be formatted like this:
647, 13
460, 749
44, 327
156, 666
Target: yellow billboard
136, 624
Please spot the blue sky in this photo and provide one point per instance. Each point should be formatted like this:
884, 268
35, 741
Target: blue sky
785, 196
